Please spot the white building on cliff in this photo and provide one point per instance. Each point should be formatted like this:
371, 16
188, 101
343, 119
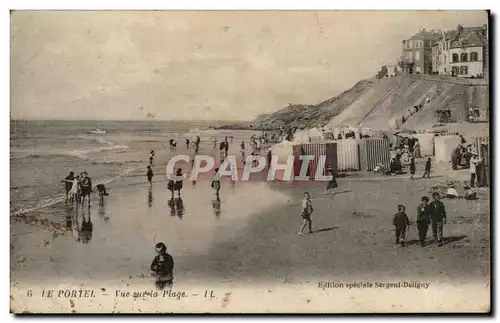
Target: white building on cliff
462, 52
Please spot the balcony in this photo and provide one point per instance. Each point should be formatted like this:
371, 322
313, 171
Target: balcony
407, 62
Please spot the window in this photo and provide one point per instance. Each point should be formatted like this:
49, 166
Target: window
444, 115
454, 58
473, 57
445, 59
464, 70
463, 57
454, 71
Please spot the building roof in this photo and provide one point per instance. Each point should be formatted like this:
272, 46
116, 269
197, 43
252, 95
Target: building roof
471, 39
425, 35
453, 34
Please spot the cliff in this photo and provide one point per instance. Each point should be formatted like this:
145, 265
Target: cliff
313, 115
381, 104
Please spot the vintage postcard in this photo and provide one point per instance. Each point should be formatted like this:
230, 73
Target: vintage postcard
249, 162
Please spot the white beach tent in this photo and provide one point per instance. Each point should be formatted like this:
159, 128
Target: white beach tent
301, 136
426, 142
443, 146
315, 134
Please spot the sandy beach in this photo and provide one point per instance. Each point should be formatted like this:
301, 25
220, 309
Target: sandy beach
251, 245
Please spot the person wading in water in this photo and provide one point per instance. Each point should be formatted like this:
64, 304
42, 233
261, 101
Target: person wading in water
86, 185
150, 174
68, 183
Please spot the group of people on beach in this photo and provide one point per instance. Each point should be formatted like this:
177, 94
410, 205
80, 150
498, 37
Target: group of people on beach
433, 213
78, 189
176, 203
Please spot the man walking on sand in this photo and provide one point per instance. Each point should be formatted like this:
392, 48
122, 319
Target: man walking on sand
332, 184
438, 218
427, 168
307, 210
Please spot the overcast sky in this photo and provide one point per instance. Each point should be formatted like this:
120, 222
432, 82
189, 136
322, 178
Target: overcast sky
200, 65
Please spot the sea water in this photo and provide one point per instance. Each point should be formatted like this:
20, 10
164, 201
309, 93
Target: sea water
42, 153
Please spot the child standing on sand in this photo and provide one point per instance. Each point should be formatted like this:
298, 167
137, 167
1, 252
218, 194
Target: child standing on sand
163, 267
412, 167
307, 210
427, 168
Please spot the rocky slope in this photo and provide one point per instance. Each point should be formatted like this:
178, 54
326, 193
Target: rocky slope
314, 115
379, 103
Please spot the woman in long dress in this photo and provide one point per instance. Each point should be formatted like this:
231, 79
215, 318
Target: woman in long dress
73, 192
416, 150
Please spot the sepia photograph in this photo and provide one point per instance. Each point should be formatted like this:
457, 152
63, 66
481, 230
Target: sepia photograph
251, 162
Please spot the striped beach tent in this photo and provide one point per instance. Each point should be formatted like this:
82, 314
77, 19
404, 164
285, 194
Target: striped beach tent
347, 155
372, 152
328, 149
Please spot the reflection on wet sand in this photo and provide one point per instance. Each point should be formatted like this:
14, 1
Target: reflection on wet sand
102, 213
81, 225
86, 227
179, 205
137, 225
176, 206
150, 196
216, 206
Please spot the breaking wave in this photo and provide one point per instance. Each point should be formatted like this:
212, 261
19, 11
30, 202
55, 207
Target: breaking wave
81, 154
